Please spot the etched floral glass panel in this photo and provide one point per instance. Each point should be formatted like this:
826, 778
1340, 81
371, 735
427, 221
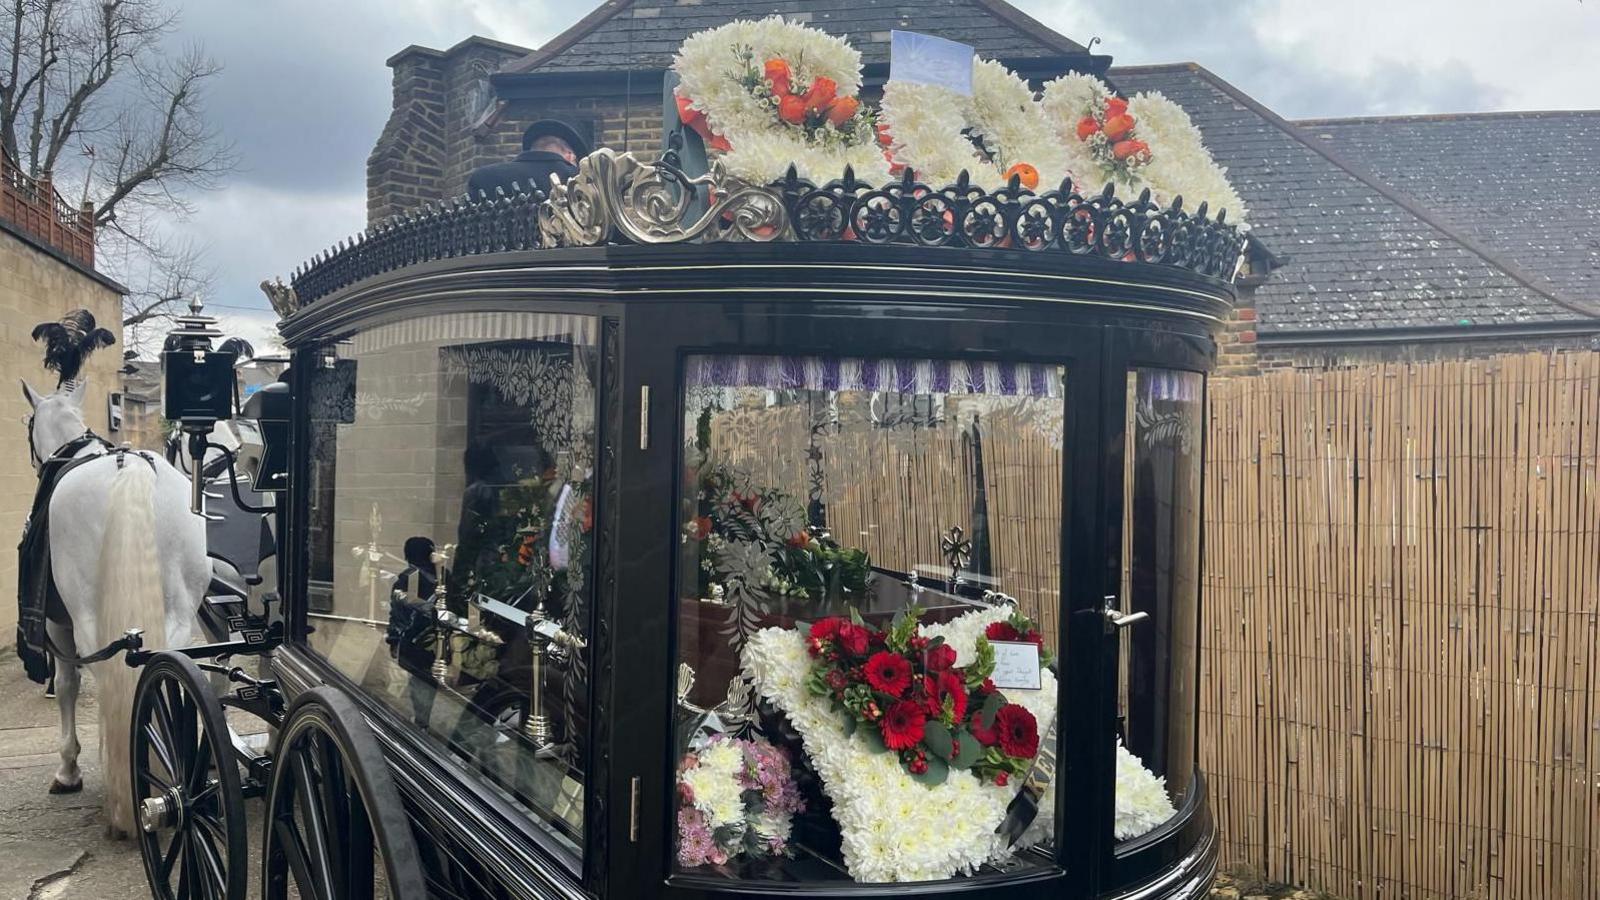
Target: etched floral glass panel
868, 600
1158, 678
451, 477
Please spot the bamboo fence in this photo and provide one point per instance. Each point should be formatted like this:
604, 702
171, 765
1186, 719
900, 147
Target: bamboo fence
1400, 690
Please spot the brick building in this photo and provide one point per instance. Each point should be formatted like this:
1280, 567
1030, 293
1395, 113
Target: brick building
46, 269
1412, 237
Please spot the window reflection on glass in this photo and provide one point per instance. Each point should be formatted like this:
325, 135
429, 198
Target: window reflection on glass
824, 732
451, 489
1161, 572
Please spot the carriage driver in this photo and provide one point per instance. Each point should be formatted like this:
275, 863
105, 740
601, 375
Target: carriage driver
550, 149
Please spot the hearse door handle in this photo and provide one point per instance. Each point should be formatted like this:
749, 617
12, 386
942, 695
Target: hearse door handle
1115, 619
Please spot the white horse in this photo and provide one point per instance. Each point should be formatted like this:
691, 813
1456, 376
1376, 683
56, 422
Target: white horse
114, 569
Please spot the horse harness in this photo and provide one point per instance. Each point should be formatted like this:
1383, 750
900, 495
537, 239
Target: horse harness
37, 599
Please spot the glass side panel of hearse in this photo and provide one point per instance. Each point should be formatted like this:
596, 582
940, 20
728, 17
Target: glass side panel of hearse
450, 519
868, 581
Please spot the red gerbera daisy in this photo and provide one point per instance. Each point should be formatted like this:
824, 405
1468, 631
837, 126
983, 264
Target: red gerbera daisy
1018, 731
946, 684
889, 672
903, 725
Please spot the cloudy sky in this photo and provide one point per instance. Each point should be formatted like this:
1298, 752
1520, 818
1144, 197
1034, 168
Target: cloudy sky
305, 92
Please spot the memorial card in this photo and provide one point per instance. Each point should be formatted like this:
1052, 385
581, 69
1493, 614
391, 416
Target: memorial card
1016, 665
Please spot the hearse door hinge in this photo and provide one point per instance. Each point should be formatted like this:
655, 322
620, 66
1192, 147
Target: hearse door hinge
644, 417
633, 810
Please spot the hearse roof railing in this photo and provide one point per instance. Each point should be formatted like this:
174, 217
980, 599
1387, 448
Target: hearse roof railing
619, 199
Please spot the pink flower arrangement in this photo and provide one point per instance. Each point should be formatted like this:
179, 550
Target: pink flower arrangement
735, 797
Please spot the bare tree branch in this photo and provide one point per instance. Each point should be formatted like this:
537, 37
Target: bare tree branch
91, 85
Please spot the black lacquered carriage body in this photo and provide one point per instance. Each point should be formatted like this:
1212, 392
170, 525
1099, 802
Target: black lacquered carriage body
533, 442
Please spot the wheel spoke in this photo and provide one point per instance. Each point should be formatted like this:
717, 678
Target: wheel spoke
210, 862
152, 780
295, 853
332, 794
171, 856
358, 858
201, 763
168, 736
317, 837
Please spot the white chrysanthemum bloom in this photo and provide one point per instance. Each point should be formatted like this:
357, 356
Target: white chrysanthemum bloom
927, 124
764, 157
1180, 165
879, 807
716, 786
1142, 801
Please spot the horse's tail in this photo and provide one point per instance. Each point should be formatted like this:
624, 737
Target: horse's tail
131, 596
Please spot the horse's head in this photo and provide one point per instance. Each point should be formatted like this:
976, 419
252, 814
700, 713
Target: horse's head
56, 419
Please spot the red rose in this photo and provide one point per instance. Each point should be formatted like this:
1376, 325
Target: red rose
826, 629
940, 658
777, 72
1000, 778
945, 684
700, 528
1001, 631
1018, 731
1116, 106
843, 110
822, 92
986, 736
792, 109
837, 680
853, 639
889, 672
1119, 126
987, 687
1086, 127
1134, 149
903, 725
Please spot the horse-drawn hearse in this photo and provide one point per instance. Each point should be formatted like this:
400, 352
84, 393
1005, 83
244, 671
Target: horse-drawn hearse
682, 535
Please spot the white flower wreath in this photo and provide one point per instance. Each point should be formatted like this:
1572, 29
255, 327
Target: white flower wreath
721, 75
1175, 161
928, 126
882, 812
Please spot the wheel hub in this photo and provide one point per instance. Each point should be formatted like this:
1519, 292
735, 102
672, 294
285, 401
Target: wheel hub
156, 813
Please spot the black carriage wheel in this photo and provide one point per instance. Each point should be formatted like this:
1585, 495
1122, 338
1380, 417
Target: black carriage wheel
330, 805
186, 791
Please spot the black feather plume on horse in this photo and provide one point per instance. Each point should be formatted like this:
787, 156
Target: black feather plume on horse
69, 342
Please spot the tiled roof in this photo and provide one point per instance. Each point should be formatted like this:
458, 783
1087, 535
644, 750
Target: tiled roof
1360, 256
1525, 184
644, 34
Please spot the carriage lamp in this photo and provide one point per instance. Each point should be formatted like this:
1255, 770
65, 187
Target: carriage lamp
199, 387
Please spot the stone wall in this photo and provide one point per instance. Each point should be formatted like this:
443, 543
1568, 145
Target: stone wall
35, 287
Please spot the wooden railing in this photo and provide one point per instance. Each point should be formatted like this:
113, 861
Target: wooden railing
32, 206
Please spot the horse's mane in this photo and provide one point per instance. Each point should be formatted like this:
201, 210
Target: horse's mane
69, 342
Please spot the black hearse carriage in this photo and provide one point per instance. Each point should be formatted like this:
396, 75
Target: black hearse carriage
595, 502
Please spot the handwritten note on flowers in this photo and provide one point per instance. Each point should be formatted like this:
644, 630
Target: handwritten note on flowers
1016, 665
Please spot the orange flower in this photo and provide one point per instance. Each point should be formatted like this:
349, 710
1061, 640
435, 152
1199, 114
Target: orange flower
843, 110
1119, 127
720, 144
777, 72
1087, 126
1137, 150
1025, 173
792, 109
688, 113
799, 540
884, 137
1116, 106
822, 92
